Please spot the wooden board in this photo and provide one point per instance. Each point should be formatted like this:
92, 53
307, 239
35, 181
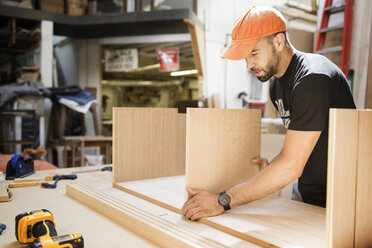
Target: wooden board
73, 216
197, 42
341, 178
342, 156
69, 215
220, 144
4, 192
147, 143
363, 216
151, 227
270, 222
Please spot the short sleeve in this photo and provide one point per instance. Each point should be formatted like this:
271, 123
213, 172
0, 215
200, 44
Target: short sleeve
310, 101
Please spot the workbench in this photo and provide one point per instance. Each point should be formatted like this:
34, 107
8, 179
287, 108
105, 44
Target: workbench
96, 229
101, 231
69, 215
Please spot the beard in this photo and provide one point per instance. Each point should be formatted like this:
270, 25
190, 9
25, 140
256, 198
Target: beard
270, 69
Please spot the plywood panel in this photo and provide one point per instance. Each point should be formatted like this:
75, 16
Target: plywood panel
363, 216
197, 42
148, 143
147, 225
341, 178
270, 222
220, 144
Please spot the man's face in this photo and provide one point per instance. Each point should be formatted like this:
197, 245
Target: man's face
263, 61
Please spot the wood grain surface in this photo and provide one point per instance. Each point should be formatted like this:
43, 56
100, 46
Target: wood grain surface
147, 143
341, 178
363, 216
145, 224
220, 144
270, 222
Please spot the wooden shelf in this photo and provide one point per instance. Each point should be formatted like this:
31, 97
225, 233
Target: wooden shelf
108, 25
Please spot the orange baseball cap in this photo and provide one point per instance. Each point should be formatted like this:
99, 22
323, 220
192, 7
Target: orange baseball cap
257, 22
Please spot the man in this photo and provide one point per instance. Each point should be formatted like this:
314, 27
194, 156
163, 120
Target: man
303, 88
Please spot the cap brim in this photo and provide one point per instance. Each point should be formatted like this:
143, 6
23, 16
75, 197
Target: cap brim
238, 50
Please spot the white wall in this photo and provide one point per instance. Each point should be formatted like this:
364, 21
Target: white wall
89, 63
360, 45
67, 52
224, 77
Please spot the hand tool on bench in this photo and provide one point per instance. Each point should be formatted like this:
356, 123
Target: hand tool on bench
35, 224
56, 178
106, 168
74, 240
2, 228
37, 228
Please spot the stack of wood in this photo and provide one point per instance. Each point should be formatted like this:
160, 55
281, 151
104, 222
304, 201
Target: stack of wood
56, 6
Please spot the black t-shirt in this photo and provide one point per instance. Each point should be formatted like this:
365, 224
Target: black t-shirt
303, 95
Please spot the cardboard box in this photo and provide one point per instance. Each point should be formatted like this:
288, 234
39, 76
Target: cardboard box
56, 6
29, 73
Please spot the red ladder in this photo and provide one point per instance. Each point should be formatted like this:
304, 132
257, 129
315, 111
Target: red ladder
347, 8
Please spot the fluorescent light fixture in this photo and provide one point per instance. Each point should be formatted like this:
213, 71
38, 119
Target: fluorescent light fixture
145, 68
182, 73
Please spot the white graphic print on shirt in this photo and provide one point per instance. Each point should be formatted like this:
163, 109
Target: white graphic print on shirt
284, 114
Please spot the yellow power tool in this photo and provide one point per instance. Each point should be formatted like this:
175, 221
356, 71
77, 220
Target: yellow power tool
34, 224
72, 240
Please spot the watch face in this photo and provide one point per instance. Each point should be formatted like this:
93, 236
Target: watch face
224, 199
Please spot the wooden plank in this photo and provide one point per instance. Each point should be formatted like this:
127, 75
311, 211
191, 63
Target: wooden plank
22, 180
197, 42
220, 144
368, 101
270, 222
153, 228
173, 203
363, 217
23, 184
341, 177
148, 143
5, 195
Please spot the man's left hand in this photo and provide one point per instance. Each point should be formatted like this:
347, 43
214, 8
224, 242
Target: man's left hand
201, 204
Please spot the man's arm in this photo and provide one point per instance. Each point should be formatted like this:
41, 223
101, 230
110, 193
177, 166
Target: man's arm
297, 148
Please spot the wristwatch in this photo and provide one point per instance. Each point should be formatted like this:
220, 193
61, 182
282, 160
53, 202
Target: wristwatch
224, 200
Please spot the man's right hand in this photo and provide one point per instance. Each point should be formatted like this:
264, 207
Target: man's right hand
262, 162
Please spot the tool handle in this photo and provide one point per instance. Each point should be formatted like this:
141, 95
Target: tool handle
68, 240
49, 185
107, 168
69, 177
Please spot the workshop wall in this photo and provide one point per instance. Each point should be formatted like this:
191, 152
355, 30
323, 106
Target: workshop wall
66, 54
225, 77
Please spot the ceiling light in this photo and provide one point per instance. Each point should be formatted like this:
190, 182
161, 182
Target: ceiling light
145, 68
183, 73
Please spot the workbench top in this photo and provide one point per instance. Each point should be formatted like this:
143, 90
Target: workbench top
69, 215
96, 229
